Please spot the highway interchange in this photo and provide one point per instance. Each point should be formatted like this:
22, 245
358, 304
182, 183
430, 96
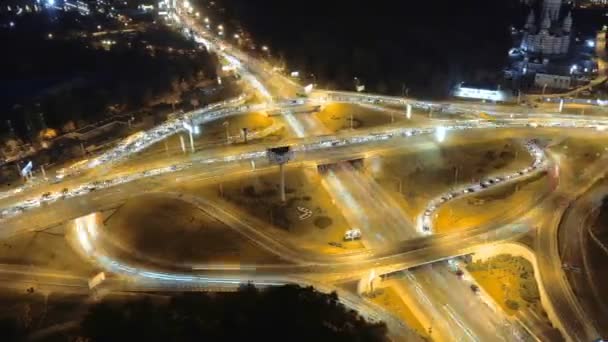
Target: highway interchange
394, 241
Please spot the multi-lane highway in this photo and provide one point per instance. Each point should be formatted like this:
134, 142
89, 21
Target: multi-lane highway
394, 241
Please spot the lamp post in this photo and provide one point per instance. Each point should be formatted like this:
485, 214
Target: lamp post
181, 140
226, 124
400, 182
191, 141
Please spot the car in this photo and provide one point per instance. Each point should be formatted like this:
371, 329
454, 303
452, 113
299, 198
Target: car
335, 244
483, 185
459, 273
474, 288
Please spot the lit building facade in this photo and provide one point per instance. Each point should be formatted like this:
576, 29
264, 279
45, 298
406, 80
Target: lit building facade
548, 33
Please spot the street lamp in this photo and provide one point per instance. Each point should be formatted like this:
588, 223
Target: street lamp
404, 90
400, 181
358, 86
440, 133
226, 124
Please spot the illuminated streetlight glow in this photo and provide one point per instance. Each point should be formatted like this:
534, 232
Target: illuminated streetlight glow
265, 48
440, 133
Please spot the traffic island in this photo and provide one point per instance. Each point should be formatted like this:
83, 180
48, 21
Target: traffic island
500, 204
416, 176
308, 218
510, 281
166, 230
339, 116
388, 298
45, 249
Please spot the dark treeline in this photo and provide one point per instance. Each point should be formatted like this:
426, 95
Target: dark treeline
66, 78
288, 313
428, 46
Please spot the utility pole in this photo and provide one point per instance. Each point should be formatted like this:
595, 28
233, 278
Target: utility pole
518, 96
191, 141
181, 140
43, 171
226, 124
408, 113
400, 181
245, 133
282, 170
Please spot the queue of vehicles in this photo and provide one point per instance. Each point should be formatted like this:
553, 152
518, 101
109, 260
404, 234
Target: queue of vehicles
425, 221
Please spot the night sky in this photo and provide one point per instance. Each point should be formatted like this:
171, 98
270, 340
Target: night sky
428, 45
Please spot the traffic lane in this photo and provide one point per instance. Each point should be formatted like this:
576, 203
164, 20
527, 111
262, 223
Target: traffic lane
55, 213
573, 231
498, 132
572, 321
